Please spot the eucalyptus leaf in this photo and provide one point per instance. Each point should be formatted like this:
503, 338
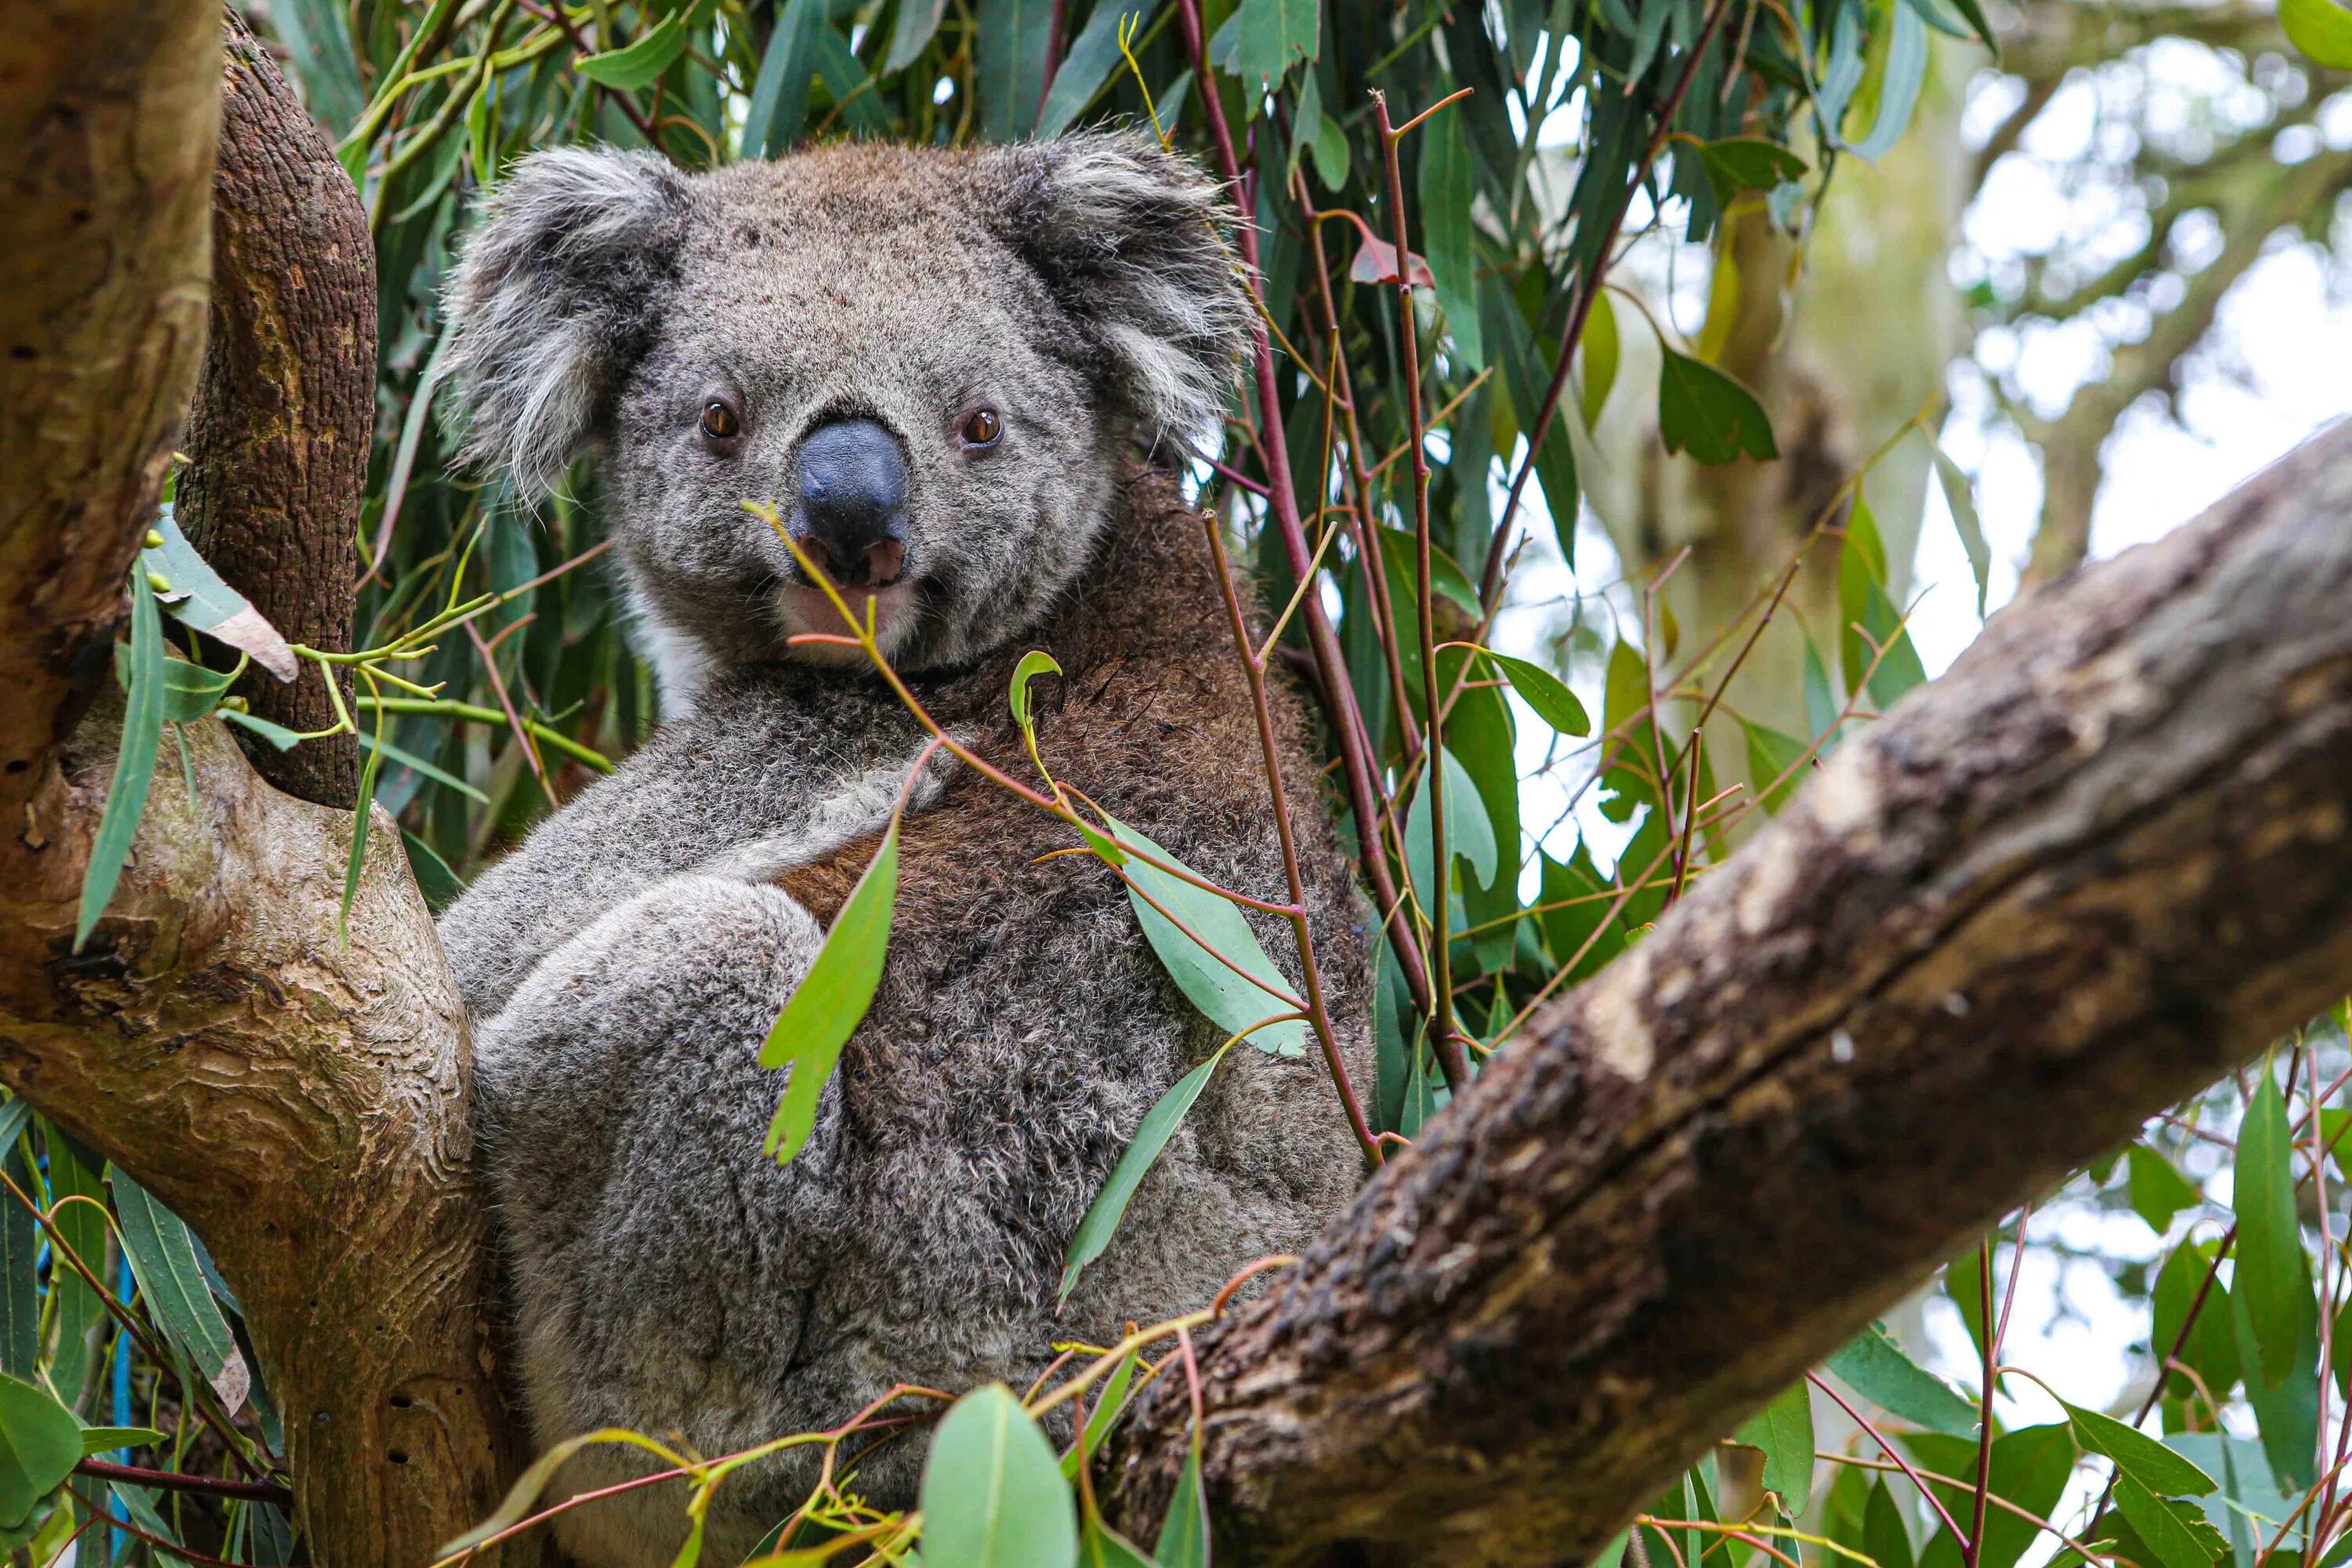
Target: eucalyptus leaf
831, 1000
1232, 1003
134, 763
196, 596
1159, 1123
1705, 413
993, 1496
163, 1260
41, 1443
1873, 1365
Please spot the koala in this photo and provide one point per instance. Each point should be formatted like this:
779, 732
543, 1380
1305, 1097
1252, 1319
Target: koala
937, 366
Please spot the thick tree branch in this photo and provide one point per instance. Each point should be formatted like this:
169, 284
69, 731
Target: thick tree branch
277, 442
301, 1098
107, 109
2104, 858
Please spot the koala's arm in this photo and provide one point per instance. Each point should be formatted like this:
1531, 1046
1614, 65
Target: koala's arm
623, 1101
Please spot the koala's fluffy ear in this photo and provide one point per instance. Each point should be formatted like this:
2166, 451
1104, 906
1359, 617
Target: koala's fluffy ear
557, 292
1127, 236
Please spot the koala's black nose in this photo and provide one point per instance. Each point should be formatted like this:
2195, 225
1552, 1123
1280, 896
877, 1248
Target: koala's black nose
853, 502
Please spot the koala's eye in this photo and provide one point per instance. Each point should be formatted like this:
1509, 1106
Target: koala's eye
981, 428
719, 420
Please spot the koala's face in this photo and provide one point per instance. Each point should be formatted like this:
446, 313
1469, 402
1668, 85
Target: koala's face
926, 363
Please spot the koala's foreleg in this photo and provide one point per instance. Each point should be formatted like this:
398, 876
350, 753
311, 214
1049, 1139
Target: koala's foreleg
660, 1261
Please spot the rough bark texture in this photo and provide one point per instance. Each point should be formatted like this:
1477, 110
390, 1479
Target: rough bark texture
303, 1102
277, 442
2107, 857
107, 109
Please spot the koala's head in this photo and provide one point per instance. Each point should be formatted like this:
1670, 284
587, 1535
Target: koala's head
927, 361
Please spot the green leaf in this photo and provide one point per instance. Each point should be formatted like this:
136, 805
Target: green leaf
1469, 836
1899, 86
415, 763
277, 735
2031, 1467
1264, 38
991, 1495
2286, 1410
1868, 618
1601, 347
2138, 1457
1772, 754
831, 1000
190, 690
1093, 55
1034, 663
164, 1261
1784, 1431
1009, 72
73, 1172
1874, 1366
1447, 185
912, 31
20, 1280
2180, 1534
134, 763
1331, 155
1100, 1546
139, 1502
1545, 692
2212, 1345
41, 1443
1526, 372
98, 1440
2157, 1191
2320, 29
1105, 1410
362, 824
1401, 555
780, 94
196, 596
1183, 1540
441, 886
641, 62
1705, 413
1738, 164
2270, 1280
1158, 1125
1232, 1003
1962, 500
1885, 1537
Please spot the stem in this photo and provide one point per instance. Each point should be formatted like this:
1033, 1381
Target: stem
1340, 695
1588, 289
1254, 665
174, 1481
1440, 957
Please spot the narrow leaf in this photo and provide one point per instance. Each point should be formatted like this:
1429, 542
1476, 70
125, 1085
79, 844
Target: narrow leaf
163, 1260
912, 31
1183, 1540
1874, 1366
1961, 499
1093, 55
1447, 185
780, 94
2138, 1456
1158, 1125
134, 763
1601, 348
1034, 663
98, 1440
2270, 1280
831, 1000
641, 62
1232, 1003
197, 597
1545, 692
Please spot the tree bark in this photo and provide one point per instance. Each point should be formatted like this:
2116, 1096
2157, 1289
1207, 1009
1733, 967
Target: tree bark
300, 1099
107, 109
277, 443
2107, 857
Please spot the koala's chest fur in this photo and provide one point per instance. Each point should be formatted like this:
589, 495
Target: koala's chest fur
624, 965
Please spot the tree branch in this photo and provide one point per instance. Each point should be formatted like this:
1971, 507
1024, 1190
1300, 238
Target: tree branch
107, 109
301, 1098
2104, 858
277, 443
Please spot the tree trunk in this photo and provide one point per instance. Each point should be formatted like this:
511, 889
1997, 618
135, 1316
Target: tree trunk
277, 443
2106, 858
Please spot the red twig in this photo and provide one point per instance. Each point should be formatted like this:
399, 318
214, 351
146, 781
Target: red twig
174, 1481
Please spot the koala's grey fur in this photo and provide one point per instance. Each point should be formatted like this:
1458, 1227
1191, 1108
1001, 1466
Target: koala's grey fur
623, 966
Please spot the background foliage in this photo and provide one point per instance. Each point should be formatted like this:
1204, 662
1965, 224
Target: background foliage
1656, 697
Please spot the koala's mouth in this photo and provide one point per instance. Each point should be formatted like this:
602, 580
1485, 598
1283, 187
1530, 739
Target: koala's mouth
805, 610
